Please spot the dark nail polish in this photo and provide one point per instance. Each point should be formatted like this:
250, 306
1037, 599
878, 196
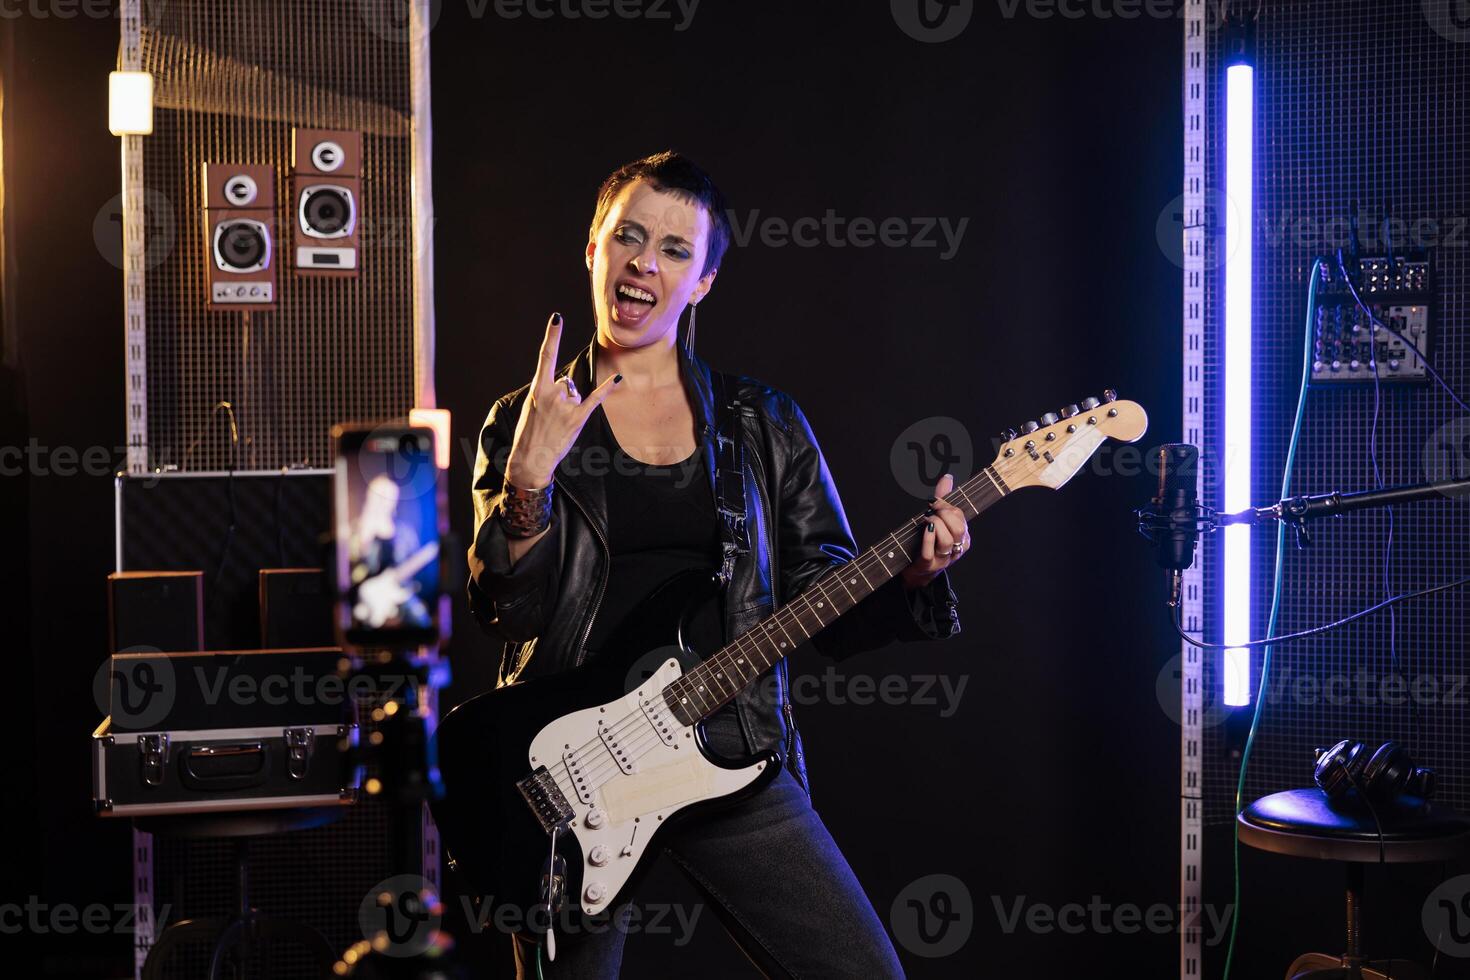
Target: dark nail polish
617, 379
928, 511
929, 527
556, 319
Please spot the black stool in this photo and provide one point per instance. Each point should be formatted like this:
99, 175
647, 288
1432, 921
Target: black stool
247, 926
1300, 823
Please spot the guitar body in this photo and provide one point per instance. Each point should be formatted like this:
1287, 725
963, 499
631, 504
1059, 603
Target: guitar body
622, 766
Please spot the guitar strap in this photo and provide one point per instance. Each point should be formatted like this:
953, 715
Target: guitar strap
729, 479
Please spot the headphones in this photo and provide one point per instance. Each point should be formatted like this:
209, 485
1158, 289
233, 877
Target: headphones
1347, 772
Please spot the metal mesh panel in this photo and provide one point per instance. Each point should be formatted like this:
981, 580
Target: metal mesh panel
233, 80
1361, 106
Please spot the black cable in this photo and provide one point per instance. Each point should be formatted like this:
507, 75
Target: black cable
280, 532
1393, 623
1315, 630
1434, 964
1347, 771
1373, 446
229, 493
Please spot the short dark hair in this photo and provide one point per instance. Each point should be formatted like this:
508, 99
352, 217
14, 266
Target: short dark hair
674, 173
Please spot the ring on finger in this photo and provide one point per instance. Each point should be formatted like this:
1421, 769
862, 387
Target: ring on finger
571, 385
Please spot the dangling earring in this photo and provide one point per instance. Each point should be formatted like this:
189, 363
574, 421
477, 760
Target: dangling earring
689, 337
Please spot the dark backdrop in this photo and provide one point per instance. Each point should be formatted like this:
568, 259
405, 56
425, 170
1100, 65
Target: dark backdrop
1055, 781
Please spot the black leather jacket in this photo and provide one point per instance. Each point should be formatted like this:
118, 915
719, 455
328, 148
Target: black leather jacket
543, 608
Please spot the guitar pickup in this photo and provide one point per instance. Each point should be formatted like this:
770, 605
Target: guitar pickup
618, 745
546, 801
658, 716
579, 779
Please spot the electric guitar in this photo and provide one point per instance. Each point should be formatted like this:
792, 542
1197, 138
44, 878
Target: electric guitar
383, 596
557, 789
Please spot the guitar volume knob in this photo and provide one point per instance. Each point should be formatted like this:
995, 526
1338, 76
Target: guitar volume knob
595, 892
595, 818
597, 857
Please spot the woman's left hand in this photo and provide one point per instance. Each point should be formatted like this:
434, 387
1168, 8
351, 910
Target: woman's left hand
946, 537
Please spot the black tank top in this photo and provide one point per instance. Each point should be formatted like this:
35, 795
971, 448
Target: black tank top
661, 522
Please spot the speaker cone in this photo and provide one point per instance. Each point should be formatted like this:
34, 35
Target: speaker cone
242, 246
327, 212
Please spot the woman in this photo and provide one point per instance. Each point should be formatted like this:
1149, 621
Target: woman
594, 484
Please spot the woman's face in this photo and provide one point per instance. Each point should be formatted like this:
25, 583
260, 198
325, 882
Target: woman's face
645, 262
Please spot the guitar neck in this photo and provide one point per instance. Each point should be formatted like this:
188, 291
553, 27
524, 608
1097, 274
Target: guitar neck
717, 680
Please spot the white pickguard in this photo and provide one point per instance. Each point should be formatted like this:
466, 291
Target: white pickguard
627, 809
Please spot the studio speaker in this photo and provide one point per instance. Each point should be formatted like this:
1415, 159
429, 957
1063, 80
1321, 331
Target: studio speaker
326, 195
162, 610
239, 226
295, 609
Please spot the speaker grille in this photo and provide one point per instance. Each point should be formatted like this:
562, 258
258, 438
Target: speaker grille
232, 82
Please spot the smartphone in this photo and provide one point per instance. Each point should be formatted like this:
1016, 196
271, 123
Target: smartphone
386, 512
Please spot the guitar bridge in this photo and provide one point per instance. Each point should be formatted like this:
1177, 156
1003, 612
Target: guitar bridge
546, 801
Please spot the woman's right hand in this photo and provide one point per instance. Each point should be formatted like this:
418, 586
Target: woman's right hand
551, 417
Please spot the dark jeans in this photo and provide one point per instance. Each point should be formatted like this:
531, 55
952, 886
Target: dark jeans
772, 874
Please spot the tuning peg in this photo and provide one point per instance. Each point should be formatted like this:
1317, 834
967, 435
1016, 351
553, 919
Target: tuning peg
1008, 435
1109, 395
1050, 418
1088, 404
1070, 411
1030, 427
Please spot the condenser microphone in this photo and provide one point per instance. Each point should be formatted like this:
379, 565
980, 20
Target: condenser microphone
1176, 504
1171, 522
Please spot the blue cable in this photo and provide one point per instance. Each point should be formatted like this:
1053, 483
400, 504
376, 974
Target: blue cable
1250, 739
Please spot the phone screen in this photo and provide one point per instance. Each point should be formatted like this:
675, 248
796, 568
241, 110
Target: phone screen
387, 536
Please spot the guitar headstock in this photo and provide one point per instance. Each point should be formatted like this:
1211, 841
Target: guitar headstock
1049, 452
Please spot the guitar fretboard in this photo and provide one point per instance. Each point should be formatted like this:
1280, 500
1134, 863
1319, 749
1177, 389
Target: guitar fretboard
716, 680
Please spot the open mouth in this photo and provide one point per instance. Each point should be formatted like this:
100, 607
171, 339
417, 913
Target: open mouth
633, 302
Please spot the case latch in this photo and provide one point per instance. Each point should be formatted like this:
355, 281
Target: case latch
298, 751
154, 749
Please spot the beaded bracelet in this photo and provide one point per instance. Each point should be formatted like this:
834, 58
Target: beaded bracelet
526, 513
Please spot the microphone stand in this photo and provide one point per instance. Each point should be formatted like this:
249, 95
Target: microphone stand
1296, 511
